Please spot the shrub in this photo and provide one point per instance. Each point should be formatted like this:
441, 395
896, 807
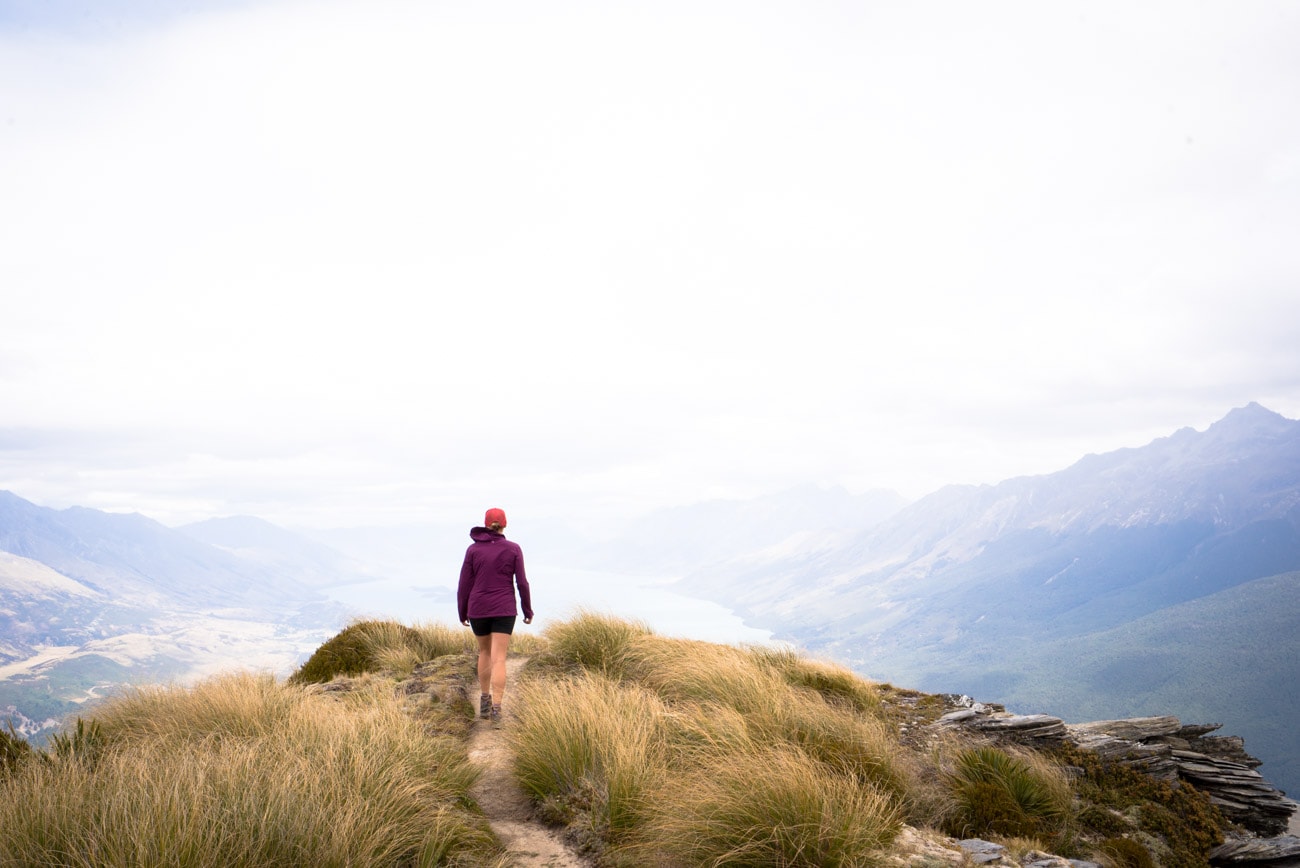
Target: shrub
1127, 853
996, 792
1179, 815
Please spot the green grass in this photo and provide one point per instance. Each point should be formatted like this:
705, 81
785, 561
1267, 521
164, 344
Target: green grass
1003, 793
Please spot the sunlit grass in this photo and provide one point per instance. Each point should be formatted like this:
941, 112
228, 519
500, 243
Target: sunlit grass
590, 641
764, 807
588, 740
836, 684
242, 771
373, 646
650, 750
655, 738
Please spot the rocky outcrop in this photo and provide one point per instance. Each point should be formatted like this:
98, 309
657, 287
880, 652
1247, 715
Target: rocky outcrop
1281, 852
981, 852
1218, 766
1164, 748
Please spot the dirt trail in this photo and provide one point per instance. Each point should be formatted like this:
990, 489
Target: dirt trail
509, 811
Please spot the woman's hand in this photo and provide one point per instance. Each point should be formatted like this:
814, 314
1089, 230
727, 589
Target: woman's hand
528, 620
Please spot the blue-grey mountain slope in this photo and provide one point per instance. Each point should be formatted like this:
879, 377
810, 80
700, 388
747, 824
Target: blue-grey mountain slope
258, 541
962, 590
1230, 656
90, 599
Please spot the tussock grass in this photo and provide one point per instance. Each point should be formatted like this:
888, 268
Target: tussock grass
374, 646
14, 751
836, 684
773, 710
241, 771
589, 742
700, 754
590, 641
400, 652
525, 642
650, 750
766, 807
685, 670
998, 791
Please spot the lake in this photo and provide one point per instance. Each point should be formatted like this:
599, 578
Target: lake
556, 595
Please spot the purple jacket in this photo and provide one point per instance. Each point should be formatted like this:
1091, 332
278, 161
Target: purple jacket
493, 565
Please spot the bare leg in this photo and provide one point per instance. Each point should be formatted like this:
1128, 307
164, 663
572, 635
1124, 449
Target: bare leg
484, 664
500, 647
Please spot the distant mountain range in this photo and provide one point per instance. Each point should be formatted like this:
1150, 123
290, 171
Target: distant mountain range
1155, 580
90, 599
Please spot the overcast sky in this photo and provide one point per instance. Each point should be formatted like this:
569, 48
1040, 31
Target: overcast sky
351, 263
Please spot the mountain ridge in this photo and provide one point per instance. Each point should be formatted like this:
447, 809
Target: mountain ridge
984, 576
90, 599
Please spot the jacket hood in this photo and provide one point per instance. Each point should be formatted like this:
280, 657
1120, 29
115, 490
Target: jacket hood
484, 534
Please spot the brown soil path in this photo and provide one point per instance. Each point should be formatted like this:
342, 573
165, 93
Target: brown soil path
528, 842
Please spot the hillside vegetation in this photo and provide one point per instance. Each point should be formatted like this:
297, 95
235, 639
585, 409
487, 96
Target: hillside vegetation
645, 749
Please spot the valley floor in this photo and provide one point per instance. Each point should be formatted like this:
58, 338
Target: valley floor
45, 655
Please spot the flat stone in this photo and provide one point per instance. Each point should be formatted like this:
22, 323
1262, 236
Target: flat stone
1038, 726
981, 851
1244, 851
1196, 730
960, 715
1132, 728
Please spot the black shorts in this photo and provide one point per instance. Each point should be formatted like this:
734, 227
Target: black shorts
487, 626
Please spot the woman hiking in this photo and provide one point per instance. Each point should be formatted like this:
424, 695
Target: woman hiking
485, 601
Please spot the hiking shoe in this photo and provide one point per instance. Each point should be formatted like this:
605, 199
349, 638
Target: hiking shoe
496, 715
484, 705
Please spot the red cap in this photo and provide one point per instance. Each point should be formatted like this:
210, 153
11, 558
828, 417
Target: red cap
495, 515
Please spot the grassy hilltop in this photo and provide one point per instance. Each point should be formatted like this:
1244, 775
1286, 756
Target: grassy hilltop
645, 750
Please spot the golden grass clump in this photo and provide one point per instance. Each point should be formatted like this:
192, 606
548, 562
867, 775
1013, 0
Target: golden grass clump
588, 744
590, 641
773, 709
836, 684
772, 806
705, 754
372, 646
400, 652
240, 705
240, 771
687, 670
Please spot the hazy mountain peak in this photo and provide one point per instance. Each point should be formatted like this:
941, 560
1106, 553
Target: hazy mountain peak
1253, 420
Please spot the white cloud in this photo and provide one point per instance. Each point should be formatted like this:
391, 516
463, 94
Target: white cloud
340, 261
